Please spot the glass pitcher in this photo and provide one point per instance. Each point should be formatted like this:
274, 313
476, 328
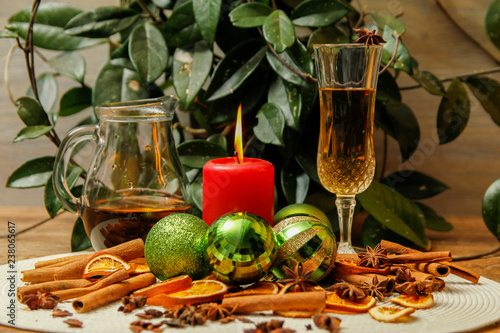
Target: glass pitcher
136, 177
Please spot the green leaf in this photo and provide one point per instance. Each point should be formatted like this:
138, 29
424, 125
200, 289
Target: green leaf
75, 100
5, 33
453, 112
250, 15
433, 220
206, 14
102, 22
79, 238
117, 81
190, 70
319, 13
33, 173
70, 64
50, 20
278, 30
492, 22
52, 203
395, 212
295, 183
218, 139
429, 82
414, 184
394, 23
298, 58
148, 51
181, 26
31, 112
195, 153
235, 68
271, 125
406, 129
487, 92
491, 208
32, 132
402, 60
51, 13
289, 99
47, 90
387, 88
373, 232
225, 109
197, 194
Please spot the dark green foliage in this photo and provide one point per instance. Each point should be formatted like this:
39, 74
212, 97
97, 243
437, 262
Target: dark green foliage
219, 54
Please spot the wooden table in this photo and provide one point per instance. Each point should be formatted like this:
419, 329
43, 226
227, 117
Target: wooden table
469, 236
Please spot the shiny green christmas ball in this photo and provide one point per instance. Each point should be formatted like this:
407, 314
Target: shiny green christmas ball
174, 246
307, 240
240, 248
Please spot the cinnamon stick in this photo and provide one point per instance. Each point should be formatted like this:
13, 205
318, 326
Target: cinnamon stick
435, 268
74, 269
112, 292
114, 277
463, 272
57, 262
454, 268
307, 301
51, 286
418, 257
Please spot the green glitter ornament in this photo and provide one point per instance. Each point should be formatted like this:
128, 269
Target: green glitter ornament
174, 246
307, 240
240, 247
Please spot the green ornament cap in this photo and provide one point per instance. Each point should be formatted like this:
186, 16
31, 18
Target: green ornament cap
240, 247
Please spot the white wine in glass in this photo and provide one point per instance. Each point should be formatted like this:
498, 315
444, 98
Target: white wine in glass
346, 159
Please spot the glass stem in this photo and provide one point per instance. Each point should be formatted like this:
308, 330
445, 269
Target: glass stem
345, 207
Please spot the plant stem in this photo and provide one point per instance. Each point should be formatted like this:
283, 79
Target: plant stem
306, 77
476, 256
460, 76
397, 37
34, 225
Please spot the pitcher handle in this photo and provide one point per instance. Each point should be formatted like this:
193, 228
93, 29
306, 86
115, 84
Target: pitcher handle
72, 139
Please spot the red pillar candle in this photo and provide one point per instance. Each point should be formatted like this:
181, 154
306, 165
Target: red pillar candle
229, 186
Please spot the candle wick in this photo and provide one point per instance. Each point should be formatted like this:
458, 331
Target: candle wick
235, 156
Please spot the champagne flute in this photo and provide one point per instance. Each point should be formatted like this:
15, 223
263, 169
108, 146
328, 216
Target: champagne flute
347, 78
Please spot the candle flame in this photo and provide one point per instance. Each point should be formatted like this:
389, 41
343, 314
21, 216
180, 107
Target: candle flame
238, 138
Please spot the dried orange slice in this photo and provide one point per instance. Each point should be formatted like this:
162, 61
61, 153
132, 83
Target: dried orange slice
349, 266
168, 286
417, 302
258, 288
391, 314
335, 303
140, 260
138, 268
103, 264
201, 291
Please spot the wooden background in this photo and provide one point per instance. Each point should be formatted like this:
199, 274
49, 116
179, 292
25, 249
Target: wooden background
435, 37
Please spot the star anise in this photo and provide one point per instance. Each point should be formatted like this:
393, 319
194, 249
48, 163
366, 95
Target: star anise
403, 274
61, 313
217, 312
41, 301
346, 290
415, 288
368, 37
297, 279
73, 322
373, 257
378, 289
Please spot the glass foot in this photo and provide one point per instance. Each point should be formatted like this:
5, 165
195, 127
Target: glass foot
345, 249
